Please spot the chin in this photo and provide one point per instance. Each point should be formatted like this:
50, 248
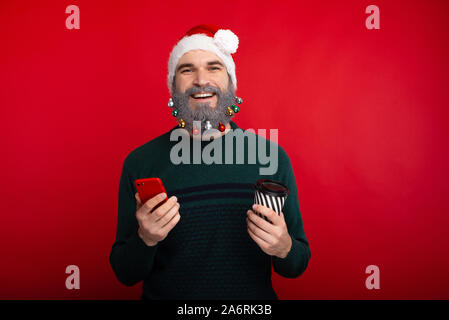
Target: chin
203, 105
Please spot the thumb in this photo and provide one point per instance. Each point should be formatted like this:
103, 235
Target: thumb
139, 202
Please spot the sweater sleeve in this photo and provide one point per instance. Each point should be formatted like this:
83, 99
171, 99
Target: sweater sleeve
296, 261
130, 258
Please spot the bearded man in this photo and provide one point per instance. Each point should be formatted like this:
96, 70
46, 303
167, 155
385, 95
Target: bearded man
206, 241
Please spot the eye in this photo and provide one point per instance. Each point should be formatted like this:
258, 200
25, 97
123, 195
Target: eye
185, 70
215, 68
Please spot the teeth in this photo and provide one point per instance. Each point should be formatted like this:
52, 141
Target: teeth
202, 95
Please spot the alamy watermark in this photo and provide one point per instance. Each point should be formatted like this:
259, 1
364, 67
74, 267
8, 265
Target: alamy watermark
73, 280
373, 280
73, 20
373, 20
259, 149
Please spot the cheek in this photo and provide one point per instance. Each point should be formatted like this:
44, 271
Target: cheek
182, 84
222, 83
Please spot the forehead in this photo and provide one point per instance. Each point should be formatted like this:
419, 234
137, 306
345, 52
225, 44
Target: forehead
198, 57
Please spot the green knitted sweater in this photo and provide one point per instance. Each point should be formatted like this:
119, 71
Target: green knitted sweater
208, 254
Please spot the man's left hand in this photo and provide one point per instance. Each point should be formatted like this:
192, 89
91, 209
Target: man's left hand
272, 238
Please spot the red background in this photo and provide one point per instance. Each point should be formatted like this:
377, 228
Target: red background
362, 113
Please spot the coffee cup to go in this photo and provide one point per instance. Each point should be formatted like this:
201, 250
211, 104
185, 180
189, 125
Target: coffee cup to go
271, 194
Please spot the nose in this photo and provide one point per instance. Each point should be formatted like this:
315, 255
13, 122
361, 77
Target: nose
201, 78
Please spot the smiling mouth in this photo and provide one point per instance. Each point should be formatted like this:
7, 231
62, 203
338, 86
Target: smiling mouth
202, 95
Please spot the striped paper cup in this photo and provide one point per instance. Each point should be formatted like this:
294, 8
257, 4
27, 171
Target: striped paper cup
271, 194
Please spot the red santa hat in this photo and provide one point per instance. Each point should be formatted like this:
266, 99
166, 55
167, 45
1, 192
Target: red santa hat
208, 37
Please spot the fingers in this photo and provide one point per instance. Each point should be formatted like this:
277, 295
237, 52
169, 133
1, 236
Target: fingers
157, 217
172, 223
260, 242
149, 205
267, 212
168, 215
260, 222
160, 212
260, 233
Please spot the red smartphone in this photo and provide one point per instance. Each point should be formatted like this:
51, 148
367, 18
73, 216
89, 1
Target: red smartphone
148, 188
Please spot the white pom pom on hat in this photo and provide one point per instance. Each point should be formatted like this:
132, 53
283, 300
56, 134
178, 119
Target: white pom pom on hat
208, 37
226, 40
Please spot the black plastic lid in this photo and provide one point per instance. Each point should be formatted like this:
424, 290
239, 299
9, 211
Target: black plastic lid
272, 188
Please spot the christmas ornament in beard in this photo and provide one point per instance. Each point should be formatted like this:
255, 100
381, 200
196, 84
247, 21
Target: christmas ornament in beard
203, 111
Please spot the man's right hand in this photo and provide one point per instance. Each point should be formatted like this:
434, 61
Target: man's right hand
155, 226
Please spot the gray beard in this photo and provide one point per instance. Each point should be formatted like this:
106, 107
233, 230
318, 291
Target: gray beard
203, 111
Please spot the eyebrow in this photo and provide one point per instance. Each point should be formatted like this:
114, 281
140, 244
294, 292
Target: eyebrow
210, 63
184, 65
190, 65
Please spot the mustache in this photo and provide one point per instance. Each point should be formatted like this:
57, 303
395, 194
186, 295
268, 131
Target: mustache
194, 90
